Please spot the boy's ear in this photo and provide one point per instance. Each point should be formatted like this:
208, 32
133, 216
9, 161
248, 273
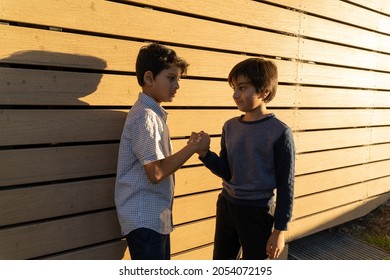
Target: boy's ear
264, 95
148, 78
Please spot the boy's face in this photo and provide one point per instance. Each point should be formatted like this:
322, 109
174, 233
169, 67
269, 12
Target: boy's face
245, 95
163, 87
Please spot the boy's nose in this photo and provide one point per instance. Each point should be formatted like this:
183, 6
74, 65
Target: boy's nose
236, 94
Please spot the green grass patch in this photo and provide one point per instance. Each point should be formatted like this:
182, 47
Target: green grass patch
381, 241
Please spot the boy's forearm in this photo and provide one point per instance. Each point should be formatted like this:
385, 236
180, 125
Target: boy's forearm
216, 165
159, 170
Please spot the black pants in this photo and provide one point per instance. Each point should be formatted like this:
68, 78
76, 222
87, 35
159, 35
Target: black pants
147, 244
241, 225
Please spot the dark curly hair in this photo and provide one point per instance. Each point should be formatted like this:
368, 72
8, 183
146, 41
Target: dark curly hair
155, 58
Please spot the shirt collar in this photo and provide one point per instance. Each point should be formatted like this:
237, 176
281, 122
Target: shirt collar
152, 104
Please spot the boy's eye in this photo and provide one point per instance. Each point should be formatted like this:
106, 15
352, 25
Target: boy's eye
240, 88
173, 78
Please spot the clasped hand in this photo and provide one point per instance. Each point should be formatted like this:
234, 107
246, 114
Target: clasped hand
202, 142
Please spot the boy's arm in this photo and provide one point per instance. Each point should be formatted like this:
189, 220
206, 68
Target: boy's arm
218, 165
160, 169
284, 151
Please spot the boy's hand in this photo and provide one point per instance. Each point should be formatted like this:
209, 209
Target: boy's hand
195, 137
202, 142
275, 244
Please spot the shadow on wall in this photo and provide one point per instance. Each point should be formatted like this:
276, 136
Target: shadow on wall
45, 83
48, 78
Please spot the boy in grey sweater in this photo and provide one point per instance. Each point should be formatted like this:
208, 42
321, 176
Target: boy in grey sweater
257, 156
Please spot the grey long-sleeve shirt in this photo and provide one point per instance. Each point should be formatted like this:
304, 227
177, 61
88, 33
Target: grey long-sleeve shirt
255, 159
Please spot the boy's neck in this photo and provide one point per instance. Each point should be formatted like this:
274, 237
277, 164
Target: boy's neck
257, 114
150, 95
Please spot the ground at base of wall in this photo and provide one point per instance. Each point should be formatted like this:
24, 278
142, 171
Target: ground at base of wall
366, 238
374, 228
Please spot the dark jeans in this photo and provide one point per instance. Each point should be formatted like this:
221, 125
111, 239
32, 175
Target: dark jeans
147, 244
243, 226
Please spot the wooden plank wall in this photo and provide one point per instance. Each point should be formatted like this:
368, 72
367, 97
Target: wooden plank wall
67, 81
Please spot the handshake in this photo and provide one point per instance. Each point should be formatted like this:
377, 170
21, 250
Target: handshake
201, 142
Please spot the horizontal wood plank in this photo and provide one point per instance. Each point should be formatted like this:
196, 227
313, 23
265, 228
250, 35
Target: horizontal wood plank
202, 253
48, 164
319, 97
319, 202
192, 235
43, 202
60, 126
35, 240
187, 181
309, 141
333, 76
379, 152
378, 187
378, 5
382, 169
108, 251
327, 160
195, 207
327, 180
39, 87
340, 118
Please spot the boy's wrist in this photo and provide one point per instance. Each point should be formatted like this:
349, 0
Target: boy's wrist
202, 154
279, 231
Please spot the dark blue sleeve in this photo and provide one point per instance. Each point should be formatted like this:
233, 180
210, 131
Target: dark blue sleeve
284, 152
218, 164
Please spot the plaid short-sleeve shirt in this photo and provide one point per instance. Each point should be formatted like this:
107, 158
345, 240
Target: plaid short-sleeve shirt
145, 138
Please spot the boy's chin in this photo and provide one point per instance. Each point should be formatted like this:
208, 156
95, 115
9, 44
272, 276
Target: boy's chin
169, 99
